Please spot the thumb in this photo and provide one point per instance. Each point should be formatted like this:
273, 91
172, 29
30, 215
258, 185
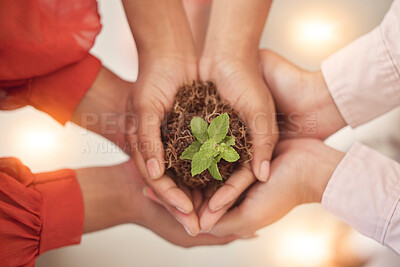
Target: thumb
264, 134
144, 138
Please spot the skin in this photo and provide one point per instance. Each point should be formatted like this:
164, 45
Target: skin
231, 62
299, 94
299, 174
168, 57
104, 98
198, 14
114, 195
222, 66
305, 165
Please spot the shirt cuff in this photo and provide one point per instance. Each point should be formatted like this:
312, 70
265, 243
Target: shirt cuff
363, 79
60, 92
62, 209
364, 192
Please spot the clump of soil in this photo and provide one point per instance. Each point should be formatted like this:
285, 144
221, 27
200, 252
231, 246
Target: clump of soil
200, 99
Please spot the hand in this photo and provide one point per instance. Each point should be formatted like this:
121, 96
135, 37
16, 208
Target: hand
300, 173
102, 110
301, 97
114, 195
167, 59
238, 80
145, 212
150, 99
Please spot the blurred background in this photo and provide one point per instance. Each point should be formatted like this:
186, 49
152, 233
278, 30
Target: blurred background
304, 31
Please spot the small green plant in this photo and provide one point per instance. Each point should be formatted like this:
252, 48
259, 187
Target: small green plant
212, 144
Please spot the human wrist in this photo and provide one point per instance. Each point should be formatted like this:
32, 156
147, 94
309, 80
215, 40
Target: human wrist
104, 96
326, 103
100, 110
103, 192
232, 50
214, 55
133, 196
325, 161
185, 55
225, 64
168, 63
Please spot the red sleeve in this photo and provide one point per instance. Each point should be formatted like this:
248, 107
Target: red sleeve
38, 212
57, 93
44, 54
38, 37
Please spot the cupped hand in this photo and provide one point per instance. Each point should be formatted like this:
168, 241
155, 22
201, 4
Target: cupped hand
300, 172
302, 99
150, 99
238, 80
140, 210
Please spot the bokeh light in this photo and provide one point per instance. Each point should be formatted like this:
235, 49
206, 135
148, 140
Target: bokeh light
316, 32
299, 247
38, 140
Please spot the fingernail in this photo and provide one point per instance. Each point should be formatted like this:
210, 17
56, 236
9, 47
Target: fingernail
153, 168
218, 207
206, 231
249, 236
144, 191
181, 210
264, 171
223, 202
188, 231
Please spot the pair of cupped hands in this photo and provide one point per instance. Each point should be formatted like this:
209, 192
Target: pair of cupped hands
279, 173
290, 165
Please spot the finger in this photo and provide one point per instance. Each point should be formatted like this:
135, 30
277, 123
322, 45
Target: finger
225, 197
187, 192
240, 180
249, 236
176, 234
283, 146
233, 223
209, 218
204, 206
188, 221
149, 193
197, 199
166, 189
144, 138
263, 133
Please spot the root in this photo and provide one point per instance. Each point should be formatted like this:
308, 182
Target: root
200, 99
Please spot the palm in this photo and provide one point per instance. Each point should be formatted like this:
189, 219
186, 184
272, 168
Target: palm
149, 214
266, 203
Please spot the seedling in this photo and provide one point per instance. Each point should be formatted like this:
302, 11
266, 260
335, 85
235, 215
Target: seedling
212, 144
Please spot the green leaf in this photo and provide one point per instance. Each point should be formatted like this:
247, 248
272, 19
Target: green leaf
200, 162
229, 141
199, 129
219, 127
213, 169
209, 146
190, 151
230, 155
202, 159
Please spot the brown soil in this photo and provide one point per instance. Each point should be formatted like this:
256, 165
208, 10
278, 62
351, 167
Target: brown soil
200, 99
